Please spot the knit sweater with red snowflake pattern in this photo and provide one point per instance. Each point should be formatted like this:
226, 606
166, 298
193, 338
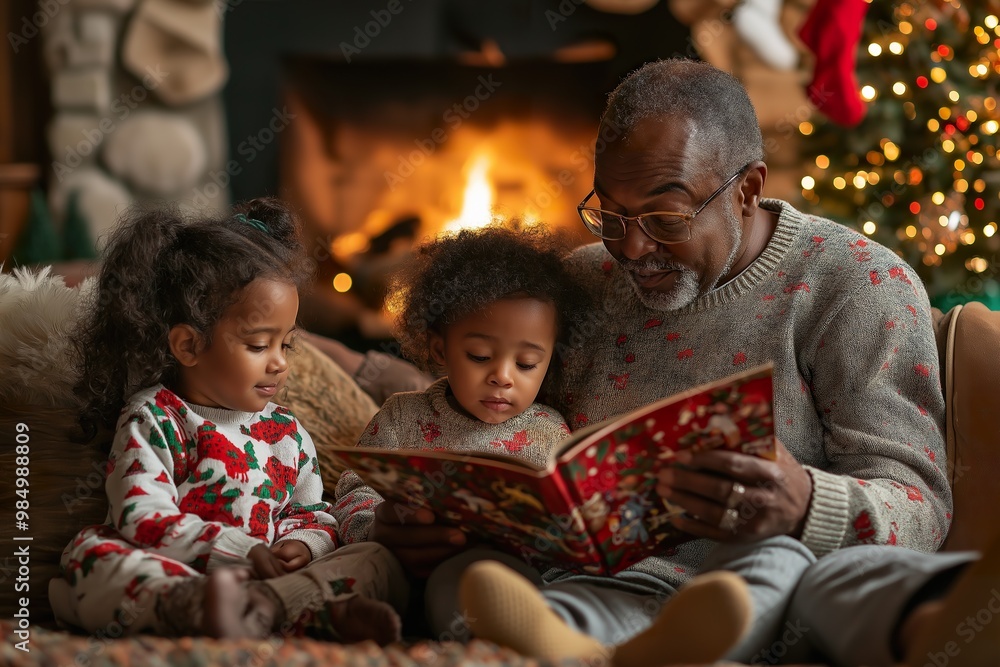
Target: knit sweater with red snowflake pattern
204, 485
858, 398
425, 420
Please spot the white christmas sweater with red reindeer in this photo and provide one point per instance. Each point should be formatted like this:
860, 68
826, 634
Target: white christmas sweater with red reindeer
203, 486
426, 420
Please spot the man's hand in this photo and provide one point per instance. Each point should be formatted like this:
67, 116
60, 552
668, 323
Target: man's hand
775, 500
413, 538
293, 554
264, 563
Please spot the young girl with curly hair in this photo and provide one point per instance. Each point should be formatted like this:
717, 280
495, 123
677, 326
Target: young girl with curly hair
209, 481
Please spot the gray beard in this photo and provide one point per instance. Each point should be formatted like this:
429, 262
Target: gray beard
686, 287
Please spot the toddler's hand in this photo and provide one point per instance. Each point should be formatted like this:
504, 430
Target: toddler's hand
294, 554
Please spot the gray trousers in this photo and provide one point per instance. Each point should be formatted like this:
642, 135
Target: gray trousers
599, 608
849, 604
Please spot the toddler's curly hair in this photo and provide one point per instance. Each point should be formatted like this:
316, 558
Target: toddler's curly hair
457, 275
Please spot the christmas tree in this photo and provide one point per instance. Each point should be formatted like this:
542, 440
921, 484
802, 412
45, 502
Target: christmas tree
920, 174
77, 243
39, 242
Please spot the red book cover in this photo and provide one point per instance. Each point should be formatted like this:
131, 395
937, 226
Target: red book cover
594, 507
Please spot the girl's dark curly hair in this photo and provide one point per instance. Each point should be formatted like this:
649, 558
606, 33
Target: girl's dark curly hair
457, 275
162, 268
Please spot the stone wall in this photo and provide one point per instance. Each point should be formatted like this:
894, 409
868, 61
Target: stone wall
137, 108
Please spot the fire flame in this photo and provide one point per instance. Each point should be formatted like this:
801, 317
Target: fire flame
477, 201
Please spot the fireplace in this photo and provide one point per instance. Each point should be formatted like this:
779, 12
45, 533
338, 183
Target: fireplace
416, 133
384, 154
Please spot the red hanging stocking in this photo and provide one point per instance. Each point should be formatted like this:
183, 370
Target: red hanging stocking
832, 31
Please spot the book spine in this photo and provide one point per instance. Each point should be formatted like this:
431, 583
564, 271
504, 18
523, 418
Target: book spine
575, 499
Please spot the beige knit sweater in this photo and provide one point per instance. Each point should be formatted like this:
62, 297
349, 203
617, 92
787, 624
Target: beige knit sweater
425, 420
858, 399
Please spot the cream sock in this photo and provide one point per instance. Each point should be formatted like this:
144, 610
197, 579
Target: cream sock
507, 609
700, 624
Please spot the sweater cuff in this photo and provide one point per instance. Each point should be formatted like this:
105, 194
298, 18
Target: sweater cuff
231, 548
827, 521
298, 593
358, 527
319, 543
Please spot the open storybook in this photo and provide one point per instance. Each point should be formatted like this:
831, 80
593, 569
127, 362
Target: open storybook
594, 507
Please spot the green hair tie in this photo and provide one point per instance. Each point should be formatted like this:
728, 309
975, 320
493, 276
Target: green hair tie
252, 222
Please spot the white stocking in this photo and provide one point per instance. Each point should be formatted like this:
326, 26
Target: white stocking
758, 22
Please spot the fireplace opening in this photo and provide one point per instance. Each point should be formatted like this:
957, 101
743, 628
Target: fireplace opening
384, 154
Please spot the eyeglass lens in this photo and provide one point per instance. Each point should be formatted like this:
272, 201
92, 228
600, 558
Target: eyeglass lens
664, 228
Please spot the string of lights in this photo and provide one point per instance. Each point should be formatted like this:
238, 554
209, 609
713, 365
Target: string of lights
921, 173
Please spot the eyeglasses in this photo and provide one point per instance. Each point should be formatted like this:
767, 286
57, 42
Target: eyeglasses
662, 226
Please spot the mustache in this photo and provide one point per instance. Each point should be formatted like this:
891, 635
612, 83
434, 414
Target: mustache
650, 264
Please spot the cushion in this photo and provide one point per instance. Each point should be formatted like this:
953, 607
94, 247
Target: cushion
969, 337
65, 493
37, 310
328, 402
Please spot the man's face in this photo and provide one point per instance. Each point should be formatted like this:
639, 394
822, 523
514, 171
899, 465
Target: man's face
667, 166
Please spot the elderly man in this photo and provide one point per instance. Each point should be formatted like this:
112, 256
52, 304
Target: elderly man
697, 276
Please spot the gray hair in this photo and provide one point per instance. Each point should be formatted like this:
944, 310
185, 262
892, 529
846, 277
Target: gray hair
691, 89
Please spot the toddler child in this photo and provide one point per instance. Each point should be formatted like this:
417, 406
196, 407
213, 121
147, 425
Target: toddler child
491, 309
488, 308
209, 481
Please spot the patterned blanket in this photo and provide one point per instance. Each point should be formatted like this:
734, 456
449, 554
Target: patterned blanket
49, 647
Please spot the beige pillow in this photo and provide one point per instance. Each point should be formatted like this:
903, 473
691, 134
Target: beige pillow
65, 493
329, 404
967, 340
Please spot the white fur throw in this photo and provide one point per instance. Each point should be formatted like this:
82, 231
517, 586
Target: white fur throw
37, 315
